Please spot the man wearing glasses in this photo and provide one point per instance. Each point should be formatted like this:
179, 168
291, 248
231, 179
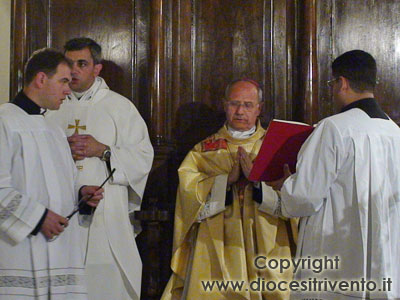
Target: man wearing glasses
347, 191
219, 227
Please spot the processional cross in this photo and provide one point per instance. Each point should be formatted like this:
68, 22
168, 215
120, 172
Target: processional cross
77, 127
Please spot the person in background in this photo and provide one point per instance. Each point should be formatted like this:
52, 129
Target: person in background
105, 132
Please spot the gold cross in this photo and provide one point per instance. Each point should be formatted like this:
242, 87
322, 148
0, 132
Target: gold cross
77, 127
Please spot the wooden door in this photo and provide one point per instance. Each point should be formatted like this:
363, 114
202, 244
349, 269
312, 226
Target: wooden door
119, 26
372, 26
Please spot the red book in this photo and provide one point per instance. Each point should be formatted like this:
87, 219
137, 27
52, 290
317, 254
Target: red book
282, 143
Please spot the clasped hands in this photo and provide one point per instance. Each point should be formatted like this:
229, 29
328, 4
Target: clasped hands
85, 145
54, 224
243, 163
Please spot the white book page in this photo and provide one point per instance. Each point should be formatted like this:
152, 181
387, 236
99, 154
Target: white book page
291, 122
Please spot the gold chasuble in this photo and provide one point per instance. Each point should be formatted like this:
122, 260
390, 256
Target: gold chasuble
225, 245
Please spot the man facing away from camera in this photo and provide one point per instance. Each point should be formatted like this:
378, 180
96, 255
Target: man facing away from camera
347, 191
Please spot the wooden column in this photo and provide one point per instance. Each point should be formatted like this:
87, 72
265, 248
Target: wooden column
155, 219
309, 67
152, 220
157, 74
18, 46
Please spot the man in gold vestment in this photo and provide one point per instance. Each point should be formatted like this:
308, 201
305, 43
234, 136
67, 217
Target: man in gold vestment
220, 228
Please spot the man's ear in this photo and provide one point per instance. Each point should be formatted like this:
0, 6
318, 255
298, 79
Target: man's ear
40, 79
344, 83
97, 69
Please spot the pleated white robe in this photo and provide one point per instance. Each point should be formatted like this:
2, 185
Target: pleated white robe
113, 264
347, 189
36, 172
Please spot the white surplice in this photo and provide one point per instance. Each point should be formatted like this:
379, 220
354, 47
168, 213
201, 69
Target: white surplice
113, 264
347, 189
36, 172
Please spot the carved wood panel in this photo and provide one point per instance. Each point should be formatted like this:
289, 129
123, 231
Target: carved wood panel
217, 41
372, 26
117, 25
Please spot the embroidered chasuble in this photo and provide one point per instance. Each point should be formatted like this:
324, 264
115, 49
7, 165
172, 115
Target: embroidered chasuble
36, 172
113, 264
223, 247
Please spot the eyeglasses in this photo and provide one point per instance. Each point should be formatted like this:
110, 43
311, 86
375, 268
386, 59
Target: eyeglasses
332, 81
247, 106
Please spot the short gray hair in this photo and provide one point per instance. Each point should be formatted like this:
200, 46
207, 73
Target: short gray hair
82, 43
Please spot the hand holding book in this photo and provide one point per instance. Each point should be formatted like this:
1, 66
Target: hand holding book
277, 184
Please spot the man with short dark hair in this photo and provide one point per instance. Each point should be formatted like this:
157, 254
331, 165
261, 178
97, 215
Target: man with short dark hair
220, 226
37, 189
105, 131
347, 189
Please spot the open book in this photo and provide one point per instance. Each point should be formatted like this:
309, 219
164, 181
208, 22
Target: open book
281, 145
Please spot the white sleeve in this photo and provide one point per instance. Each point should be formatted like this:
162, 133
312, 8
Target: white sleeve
118, 178
132, 154
19, 213
319, 160
270, 200
215, 203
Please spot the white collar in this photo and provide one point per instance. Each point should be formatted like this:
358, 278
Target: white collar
241, 134
79, 95
90, 92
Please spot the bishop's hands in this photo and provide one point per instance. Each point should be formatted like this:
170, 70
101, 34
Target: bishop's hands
242, 164
85, 145
245, 162
234, 175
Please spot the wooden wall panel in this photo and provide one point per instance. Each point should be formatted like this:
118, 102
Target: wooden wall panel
121, 27
368, 25
18, 46
141, 53
216, 41
305, 100
37, 24
29, 33
109, 22
325, 58
228, 45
